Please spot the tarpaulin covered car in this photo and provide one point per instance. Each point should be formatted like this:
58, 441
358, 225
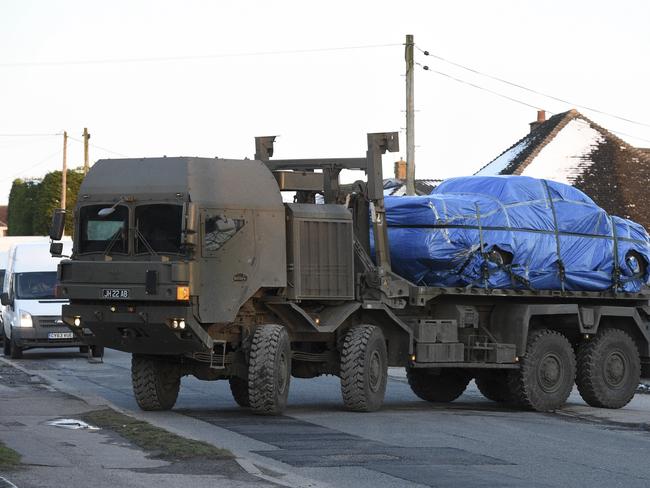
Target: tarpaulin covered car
514, 232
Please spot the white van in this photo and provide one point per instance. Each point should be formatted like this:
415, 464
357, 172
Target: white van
32, 314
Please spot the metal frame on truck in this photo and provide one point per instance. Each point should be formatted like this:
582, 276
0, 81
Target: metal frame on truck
248, 289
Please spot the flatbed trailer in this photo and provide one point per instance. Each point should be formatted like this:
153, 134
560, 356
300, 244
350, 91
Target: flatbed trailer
245, 288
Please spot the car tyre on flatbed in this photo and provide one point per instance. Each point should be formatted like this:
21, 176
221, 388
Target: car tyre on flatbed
364, 368
609, 369
437, 385
269, 370
155, 382
546, 374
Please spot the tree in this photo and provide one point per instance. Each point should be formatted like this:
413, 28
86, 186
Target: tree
32, 203
21, 207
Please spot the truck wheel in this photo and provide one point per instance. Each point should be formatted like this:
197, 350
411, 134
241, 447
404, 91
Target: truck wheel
546, 374
269, 370
155, 383
364, 368
437, 385
97, 351
494, 385
609, 369
239, 390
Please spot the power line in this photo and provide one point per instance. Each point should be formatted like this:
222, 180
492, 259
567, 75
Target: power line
512, 99
536, 92
99, 147
42, 161
31, 135
516, 100
24, 64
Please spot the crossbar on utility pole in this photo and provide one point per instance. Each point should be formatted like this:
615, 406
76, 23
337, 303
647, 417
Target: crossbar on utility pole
410, 118
86, 136
64, 173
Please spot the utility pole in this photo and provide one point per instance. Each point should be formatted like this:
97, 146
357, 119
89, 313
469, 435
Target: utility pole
86, 136
410, 118
64, 173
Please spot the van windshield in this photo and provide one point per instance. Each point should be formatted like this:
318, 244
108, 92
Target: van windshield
35, 285
102, 234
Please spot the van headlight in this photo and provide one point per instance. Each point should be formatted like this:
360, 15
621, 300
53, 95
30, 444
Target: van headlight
25, 320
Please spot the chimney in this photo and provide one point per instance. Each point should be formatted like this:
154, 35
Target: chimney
400, 170
541, 118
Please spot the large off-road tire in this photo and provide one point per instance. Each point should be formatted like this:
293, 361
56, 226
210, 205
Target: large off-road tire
546, 374
494, 385
269, 370
609, 369
239, 390
437, 385
364, 368
155, 382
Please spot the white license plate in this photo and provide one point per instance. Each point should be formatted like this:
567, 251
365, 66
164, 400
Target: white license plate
60, 335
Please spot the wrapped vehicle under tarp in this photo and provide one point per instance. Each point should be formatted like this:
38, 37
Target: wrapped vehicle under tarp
514, 232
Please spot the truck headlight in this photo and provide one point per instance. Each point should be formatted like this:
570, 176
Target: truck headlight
25, 320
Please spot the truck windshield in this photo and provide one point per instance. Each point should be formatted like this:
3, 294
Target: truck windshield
99, 234
35, 285
159, 228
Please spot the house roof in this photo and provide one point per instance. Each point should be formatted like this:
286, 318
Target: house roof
571, 148
561, 149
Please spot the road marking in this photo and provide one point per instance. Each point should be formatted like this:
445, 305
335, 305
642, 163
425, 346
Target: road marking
5, 483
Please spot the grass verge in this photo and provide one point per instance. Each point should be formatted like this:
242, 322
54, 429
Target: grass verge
9, 459
159, 442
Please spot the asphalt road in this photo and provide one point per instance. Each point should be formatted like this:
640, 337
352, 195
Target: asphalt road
471, 442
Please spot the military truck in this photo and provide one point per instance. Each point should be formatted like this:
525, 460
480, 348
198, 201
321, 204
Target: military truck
195, 266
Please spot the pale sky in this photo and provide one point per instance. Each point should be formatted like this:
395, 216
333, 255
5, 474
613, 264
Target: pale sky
321, 103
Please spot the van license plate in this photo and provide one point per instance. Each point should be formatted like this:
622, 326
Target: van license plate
60, 335
115, 293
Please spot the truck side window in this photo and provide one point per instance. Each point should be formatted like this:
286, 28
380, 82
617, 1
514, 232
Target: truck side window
218, 230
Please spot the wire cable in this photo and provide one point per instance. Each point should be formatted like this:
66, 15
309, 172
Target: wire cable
42, 161
23, 64
31, 135
99, 147
512, 99
536, 92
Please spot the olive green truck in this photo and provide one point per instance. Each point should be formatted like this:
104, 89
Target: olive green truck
195, 266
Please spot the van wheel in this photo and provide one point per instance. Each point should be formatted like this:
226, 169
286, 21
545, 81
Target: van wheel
269, 370
239, 390
437, 384
97, 351
494, 385
546, 374
15, 352
364, 368
609, 369
155, 383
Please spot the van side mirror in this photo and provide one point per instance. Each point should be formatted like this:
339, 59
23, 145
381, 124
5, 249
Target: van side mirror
58, 224
56, 249
4, 299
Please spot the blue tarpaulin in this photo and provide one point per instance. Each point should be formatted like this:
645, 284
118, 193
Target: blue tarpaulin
514, 232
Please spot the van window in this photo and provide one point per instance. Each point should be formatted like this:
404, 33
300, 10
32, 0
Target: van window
101, 233
35, 285
159, 226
